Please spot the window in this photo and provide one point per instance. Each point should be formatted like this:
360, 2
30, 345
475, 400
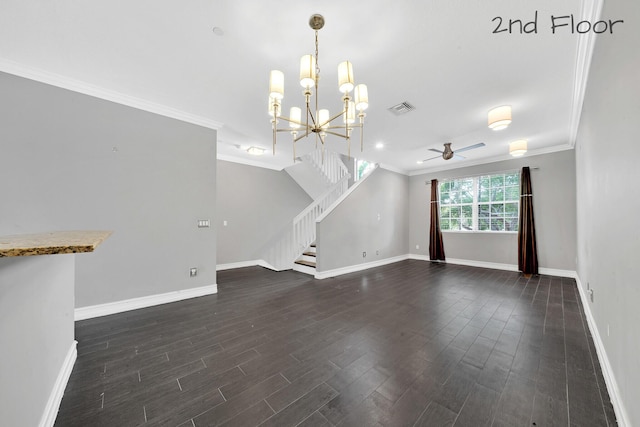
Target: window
480, 203
362, 167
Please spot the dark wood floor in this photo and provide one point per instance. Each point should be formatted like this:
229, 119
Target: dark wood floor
408, 344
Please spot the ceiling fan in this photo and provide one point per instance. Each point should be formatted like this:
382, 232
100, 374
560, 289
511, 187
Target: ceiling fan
448, 152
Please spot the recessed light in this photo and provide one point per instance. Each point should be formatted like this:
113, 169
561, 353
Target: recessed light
256, 151
379, 145
218, 31
419, 162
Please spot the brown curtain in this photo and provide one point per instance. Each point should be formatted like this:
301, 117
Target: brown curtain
436, 247
527, 252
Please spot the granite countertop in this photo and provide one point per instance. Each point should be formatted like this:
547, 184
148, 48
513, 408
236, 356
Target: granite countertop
57, 242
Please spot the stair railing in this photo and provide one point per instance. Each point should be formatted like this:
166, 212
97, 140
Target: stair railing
329, 164
291, 243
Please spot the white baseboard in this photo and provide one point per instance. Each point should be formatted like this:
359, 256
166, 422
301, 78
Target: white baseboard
607, 370
253, 263
358, 267
99, 310
498, 266
55, 398
241, 264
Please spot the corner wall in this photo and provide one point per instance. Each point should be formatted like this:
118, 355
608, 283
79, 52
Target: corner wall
607, 154
257, 204
70, 161
374, 217
554, 206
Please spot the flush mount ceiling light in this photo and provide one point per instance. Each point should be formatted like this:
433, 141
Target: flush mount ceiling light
318, 121
518, 148
500, 117
256, 151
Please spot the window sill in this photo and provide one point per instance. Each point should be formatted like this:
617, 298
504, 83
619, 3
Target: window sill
478, 232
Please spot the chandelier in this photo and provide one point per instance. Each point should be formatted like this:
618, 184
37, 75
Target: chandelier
318, 122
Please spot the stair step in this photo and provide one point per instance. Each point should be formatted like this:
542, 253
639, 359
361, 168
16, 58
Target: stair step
313, 245
307, 263
313, 254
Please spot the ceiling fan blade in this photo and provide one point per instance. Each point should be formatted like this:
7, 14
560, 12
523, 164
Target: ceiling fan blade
431, 158
458, 156
437, 151
471, 147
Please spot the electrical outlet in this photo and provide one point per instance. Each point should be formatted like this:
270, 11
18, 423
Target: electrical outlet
364, 254
193, 272
224, 222
590, 291
377, 252
203, 223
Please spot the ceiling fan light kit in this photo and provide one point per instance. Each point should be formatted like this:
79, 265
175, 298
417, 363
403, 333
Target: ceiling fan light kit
518, 148
500, 117
318, 121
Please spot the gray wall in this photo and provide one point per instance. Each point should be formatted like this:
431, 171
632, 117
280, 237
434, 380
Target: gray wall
36, 332
554, 212
607, 154
70, 161
257, 204
354, 227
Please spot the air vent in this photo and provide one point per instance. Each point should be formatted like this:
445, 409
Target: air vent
402, 108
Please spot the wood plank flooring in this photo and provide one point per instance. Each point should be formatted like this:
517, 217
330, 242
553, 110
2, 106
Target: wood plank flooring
408, 344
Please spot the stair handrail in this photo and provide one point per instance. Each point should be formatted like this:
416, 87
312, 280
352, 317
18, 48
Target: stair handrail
289, 244
304, 224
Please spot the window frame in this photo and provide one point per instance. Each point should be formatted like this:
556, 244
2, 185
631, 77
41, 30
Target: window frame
471, 196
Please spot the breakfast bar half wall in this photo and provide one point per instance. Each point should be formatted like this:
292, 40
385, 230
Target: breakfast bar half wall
37, 345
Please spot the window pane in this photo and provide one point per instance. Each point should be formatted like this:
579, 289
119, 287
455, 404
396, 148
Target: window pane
466, 196
512, 179
512, 193
483, 224
445, 186
444, 224
455, 224
511, 209
467, 211
445, 211
483, 196
511, 224
444, 198
497, 209
484, 182
497, 224
497, 194
454, 197
484, 211
497, 180
455, 211
467, 223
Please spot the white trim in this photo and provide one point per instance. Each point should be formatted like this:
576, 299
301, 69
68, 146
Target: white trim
99, 310
85, 88
55, 398
241, 264
622, 417
591, 11
359, 267
498, 266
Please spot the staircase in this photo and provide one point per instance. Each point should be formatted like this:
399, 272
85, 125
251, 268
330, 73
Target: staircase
306, 263
294, 247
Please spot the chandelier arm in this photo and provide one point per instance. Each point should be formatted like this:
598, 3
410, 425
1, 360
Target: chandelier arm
336, 133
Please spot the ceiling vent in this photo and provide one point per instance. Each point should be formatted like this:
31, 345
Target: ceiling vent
402, 108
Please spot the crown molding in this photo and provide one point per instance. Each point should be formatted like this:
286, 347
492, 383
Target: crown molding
85, 88
591, 11
248, 162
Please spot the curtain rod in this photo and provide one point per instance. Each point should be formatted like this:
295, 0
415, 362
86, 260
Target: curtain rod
428, 182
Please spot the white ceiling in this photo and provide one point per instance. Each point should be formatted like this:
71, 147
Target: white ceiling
439, 55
